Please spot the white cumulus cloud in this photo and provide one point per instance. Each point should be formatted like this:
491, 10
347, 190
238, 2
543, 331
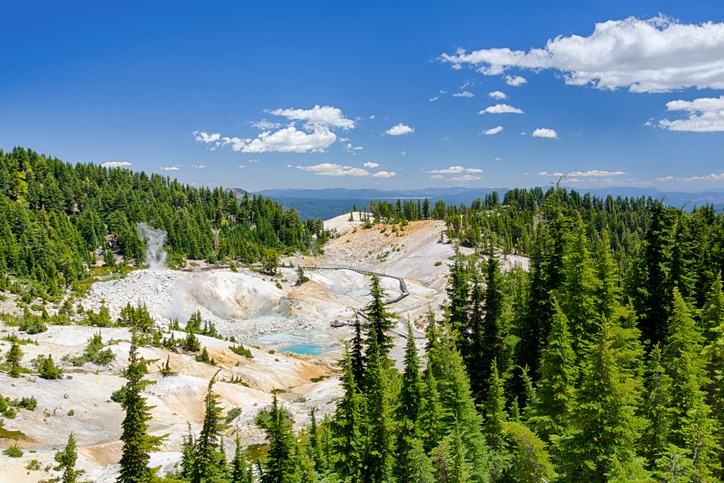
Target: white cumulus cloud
493, 130
455, 170
371, 165
318, 115
400, 130
543, 132
704, 115
333, 169
497, 95
515, 80
115, 164
652, 55
384, 174
175, 167
316, 134
554, 174
501, 109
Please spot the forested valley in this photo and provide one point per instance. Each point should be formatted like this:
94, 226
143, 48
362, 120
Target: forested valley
603, 362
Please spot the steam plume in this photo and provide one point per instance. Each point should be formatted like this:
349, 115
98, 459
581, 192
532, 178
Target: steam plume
155, 239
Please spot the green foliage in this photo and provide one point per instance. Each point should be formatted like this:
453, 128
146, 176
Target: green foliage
205, 358
13, 357
279, 466
94, 353
137, 443
380, 321
13, 451
54, 215
207, 452
66, 460
240, 350
48, 370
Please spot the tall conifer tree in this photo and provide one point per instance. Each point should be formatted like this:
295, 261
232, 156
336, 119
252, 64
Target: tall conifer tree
137, 443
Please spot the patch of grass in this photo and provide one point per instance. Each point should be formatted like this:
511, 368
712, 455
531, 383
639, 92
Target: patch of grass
7, 434
13, 451
319, 378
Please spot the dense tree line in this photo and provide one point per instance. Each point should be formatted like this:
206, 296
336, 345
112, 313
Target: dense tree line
603, 362
55, 217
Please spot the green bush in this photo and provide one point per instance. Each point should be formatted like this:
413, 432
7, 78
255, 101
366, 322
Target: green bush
241, 351
13, 451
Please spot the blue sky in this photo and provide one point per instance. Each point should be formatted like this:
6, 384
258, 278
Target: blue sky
387, 95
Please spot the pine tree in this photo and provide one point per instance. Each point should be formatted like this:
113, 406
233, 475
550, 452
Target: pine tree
496, 323
556, 388
358, 358
380, 321
13, 357
314, 446
48, 370
712, 316
408, 410
66, 460
457, 402
577, 293
692, 427
280, 460
137, 443
458, 292
349, 427
653, 288
207, 449
656, 408
602, 441
495, 418
430, 427
380, 412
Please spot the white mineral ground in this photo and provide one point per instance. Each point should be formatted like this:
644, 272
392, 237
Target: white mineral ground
246, 305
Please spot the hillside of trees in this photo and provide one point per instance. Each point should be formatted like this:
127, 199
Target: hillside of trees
57, 218
604, 362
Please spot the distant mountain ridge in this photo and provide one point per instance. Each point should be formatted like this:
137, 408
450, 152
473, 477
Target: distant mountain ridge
330, 202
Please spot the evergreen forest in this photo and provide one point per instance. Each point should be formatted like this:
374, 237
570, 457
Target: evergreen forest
604, 362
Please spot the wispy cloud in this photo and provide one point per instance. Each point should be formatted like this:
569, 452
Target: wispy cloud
265, 125
198, 166
455, 170
501, 109
175, 167
466, 178
333, 169
596, 173
371, 165
493, 130
694, 179
400, 130
116, 164
464, 94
